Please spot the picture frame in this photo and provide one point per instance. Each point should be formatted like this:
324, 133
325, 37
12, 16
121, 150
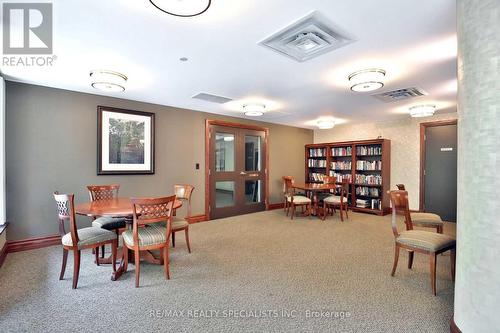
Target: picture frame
125, 142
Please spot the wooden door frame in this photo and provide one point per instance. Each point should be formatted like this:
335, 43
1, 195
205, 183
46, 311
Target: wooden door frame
211, 122
423, 127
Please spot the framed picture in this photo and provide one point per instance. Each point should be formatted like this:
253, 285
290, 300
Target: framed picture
125, 142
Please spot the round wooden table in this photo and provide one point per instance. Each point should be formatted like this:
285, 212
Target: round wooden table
119, 207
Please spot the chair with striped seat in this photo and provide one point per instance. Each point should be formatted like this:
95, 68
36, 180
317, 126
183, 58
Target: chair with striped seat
293, 200
183, 193
79, 239
100, 193
341, 201
429, 243
147, 234
425, 220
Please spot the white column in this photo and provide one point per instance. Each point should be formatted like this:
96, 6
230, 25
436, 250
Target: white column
477, 287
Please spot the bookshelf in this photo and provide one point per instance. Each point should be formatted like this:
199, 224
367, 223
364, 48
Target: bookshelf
366, 164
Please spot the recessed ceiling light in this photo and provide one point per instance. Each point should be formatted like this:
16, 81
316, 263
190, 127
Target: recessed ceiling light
182, 8
254, 110
108, 80
367, 80
325, 124
418, 111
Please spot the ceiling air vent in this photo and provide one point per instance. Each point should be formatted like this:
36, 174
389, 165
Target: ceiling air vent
307, 38
212, 98
400, 94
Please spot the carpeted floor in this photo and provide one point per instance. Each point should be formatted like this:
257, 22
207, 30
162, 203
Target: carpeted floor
258, 272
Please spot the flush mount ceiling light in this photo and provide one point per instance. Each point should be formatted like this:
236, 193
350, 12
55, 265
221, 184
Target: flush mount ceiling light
108, 80
367, 80
325, 124
254, 110
182, 8
419, 111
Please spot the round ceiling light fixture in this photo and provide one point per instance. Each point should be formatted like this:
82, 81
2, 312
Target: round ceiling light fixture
254, 110
419, 111
367, 80
108, 80
325, 124
182, 8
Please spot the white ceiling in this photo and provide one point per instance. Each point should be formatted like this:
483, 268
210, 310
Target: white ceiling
414, 41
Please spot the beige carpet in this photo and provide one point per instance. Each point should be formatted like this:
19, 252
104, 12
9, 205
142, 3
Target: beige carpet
258, 272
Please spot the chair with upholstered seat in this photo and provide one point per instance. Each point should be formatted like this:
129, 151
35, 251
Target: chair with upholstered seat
338, 201
425, 220
147, 233
183, 193
420, 241
79, 239
106, 192
293, 200
285, 193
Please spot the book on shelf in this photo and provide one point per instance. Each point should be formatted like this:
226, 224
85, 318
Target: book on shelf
317, 152
368, 179
342, 151
312, 163
368, 191
375, 204
340, 176
341, 165
316, 177
369, 165
368, 150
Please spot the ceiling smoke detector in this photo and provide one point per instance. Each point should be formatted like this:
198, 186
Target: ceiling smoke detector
307, 38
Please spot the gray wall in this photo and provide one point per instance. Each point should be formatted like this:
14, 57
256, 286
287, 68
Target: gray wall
51, 145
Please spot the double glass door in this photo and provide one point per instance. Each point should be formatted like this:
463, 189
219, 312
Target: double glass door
237, 171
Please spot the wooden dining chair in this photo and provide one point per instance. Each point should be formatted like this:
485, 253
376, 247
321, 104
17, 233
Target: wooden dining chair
183, 193
79, 239
425, 220
294, 200
332, 202
285, 193
106, 192
147, 234
429, 243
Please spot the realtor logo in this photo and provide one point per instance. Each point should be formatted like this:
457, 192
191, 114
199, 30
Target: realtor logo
27, 28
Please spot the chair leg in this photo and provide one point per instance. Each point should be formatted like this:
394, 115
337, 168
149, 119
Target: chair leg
396, 258
114, 245
173, 239
63, 267
440, 229
103, 250
410, 259
137, 259
166, 262
324, 210
186, 231
346, 209
293, 210
125, 258
96, 251
76, 267
432, 262
453, 258
341, 214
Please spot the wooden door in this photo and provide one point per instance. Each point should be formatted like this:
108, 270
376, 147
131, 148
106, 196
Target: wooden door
237, 171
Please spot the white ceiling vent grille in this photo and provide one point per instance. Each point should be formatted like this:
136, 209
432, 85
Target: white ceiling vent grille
212, 98
400, 94
308, 38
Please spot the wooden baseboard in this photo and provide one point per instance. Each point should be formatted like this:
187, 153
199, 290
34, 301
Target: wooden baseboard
275, 206
3, 254
33, 243
197, 218
453, 327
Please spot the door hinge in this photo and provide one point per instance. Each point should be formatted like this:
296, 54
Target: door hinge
425, 137
209, 172
209, 209
424, 172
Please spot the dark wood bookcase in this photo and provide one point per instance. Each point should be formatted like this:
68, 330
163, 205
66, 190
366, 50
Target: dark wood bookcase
366, 164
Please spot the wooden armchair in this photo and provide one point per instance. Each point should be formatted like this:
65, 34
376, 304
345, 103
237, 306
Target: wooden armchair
425, 220
425, 242
293, 200
183, 193
79, 239
332, 202
100, 193
147, 234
